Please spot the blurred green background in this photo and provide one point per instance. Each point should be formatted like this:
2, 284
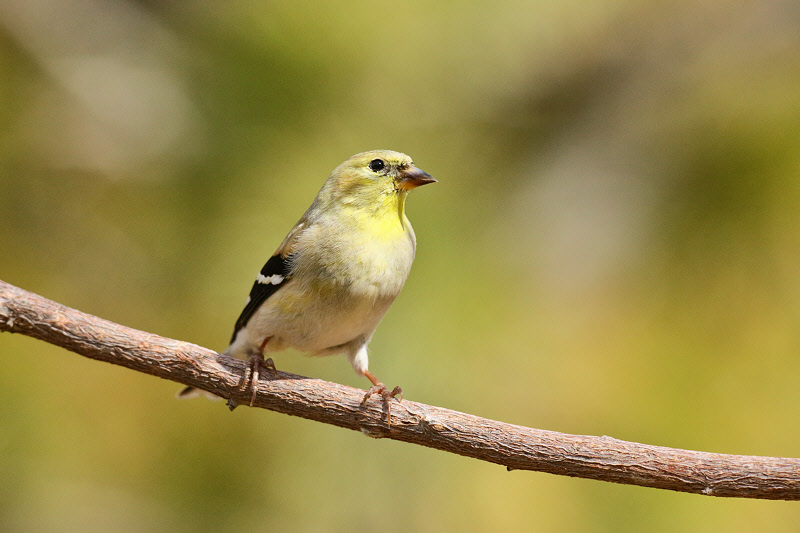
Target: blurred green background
612, 248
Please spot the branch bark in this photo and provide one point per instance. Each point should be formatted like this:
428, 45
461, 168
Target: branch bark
515, 447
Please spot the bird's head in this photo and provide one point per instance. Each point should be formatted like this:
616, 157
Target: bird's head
377, 176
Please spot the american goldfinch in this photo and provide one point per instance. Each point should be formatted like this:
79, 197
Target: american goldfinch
334, 276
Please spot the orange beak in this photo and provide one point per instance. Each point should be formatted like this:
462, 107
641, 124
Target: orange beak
412, 178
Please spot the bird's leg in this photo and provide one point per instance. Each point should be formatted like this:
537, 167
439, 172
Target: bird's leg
257, 362
380, 388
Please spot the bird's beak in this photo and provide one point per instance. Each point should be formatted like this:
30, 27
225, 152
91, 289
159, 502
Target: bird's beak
413, 177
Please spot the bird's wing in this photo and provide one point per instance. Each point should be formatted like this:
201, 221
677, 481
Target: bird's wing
276, 273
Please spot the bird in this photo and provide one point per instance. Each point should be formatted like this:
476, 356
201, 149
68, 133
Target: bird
334, 276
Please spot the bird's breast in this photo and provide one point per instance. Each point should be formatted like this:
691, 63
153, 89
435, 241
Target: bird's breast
372, 262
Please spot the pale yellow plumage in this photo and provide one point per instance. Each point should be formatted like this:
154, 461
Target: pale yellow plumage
338, 270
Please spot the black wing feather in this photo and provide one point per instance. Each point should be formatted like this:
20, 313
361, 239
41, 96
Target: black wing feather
261, 291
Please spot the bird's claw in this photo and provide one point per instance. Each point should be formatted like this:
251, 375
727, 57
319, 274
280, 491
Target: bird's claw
257, 362
386, 394
269, 364
384, 391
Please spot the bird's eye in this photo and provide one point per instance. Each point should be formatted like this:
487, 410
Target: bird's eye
377, 165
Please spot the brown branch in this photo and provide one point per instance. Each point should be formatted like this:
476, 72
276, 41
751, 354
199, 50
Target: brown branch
515, 447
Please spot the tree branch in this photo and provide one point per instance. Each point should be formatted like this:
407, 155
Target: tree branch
515, 447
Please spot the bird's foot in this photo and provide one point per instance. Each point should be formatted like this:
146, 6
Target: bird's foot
384, 392
257, 362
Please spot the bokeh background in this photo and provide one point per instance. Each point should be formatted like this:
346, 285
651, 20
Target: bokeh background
611, 249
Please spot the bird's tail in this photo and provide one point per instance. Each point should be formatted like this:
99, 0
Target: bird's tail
192, 392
